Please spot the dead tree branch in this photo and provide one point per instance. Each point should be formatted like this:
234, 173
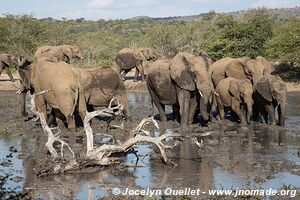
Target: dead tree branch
108, 154
51, 137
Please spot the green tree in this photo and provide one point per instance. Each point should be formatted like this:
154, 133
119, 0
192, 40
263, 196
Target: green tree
242, 38
285, 44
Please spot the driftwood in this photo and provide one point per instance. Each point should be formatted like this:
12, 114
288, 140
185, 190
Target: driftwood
108, 154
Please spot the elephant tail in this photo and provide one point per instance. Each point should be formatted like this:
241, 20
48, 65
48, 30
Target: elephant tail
152, 94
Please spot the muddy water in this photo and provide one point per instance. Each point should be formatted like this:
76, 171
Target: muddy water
255, 157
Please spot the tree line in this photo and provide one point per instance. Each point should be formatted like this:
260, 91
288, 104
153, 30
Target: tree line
258, 32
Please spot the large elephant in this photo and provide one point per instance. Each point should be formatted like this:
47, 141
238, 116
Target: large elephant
58, 53
178, 82
63, 82
129, 58
241, 68
90, 88
7, 60
269, 93
236, 95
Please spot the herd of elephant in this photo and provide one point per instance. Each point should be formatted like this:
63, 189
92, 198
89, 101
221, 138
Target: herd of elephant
192, 84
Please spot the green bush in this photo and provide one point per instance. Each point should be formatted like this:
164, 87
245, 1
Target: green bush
256, 32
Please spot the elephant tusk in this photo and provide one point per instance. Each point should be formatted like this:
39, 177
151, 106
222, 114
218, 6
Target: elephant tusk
201, 94
19, 92
216, 93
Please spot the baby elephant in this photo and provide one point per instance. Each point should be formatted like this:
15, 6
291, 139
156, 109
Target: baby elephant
235, 95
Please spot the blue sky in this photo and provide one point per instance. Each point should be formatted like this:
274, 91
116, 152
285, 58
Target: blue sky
116, 9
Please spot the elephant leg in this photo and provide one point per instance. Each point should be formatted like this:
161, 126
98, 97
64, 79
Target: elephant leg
271, 112
264, 116
8, 72
125, 72
184, 104
68, 108
152, 109
140, 70
193, 106
161, 110
118, 69
255, 115
41, 105
23, 102
52, 118
71, 122
236, 108
176, 115
123, 98
220, 108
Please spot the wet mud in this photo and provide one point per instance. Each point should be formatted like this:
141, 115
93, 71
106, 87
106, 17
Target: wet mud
234, 156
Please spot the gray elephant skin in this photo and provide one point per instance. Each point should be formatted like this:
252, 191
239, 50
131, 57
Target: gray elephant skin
129, 58
72, 89
178, 82
269, 94
235, 95
58, 53
240, 68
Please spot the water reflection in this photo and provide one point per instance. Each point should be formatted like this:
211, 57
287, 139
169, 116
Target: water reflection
258, 157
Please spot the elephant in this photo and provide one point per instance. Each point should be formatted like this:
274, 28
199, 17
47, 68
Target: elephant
64, 93
82, 89
58, 53
178, 82
101, 86
129, 58
236, 95
7, 60
241, 68
269, 94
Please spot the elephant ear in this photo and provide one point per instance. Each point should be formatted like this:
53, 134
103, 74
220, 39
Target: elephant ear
234, 89
264, 89
235, 69
265, 64
180, 73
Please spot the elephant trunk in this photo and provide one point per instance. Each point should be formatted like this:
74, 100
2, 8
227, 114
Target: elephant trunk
126, 111
204, 108
281, 113
249, 112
